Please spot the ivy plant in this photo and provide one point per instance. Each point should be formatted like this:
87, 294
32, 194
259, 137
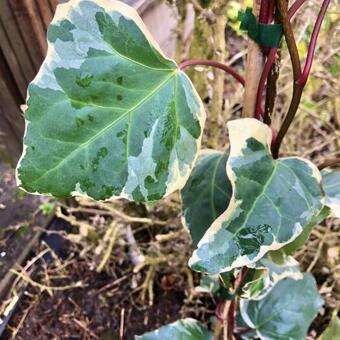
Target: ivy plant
110, 116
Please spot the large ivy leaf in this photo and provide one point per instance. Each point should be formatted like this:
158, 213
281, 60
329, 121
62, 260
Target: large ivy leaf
331, 186
272, 202
206, 194
286, 311
108, 114
186, 329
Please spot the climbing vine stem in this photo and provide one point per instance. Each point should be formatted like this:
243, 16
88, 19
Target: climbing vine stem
300, 78
268, 67
329, 162
312, 45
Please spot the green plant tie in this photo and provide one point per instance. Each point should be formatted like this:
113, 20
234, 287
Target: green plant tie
267, 35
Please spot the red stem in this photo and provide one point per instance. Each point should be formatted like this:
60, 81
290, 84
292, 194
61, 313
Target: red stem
231, 312
244, 330
329, 162
265, 73
266, 16
264, 11
312, 45
271, 11
267, 10
231, 319
215, 64
294, 8
269, 64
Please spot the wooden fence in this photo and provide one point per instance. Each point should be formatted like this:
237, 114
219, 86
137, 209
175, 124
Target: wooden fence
23, 26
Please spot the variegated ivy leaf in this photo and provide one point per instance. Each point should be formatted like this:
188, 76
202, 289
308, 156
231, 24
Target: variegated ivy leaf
270, 274
286, 311
108, 114
186, 329
206, 194
272, 202
331, 186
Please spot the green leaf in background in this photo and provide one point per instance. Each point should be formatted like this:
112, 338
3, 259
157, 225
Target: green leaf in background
186, 329
108, 114
47, 208
207, 193
331, 186
332, 332
272, 273
209, 284
273, 201
286, 311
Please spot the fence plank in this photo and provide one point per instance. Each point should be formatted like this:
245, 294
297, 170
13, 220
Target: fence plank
10, 63
14, 35
12, 124
10, 146
32, 30
45, 12
54, 3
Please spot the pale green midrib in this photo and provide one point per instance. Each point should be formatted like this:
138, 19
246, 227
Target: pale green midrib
101, 132
212, 187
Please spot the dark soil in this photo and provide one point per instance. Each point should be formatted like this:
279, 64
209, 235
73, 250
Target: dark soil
18, 213
107, 306
82, 313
